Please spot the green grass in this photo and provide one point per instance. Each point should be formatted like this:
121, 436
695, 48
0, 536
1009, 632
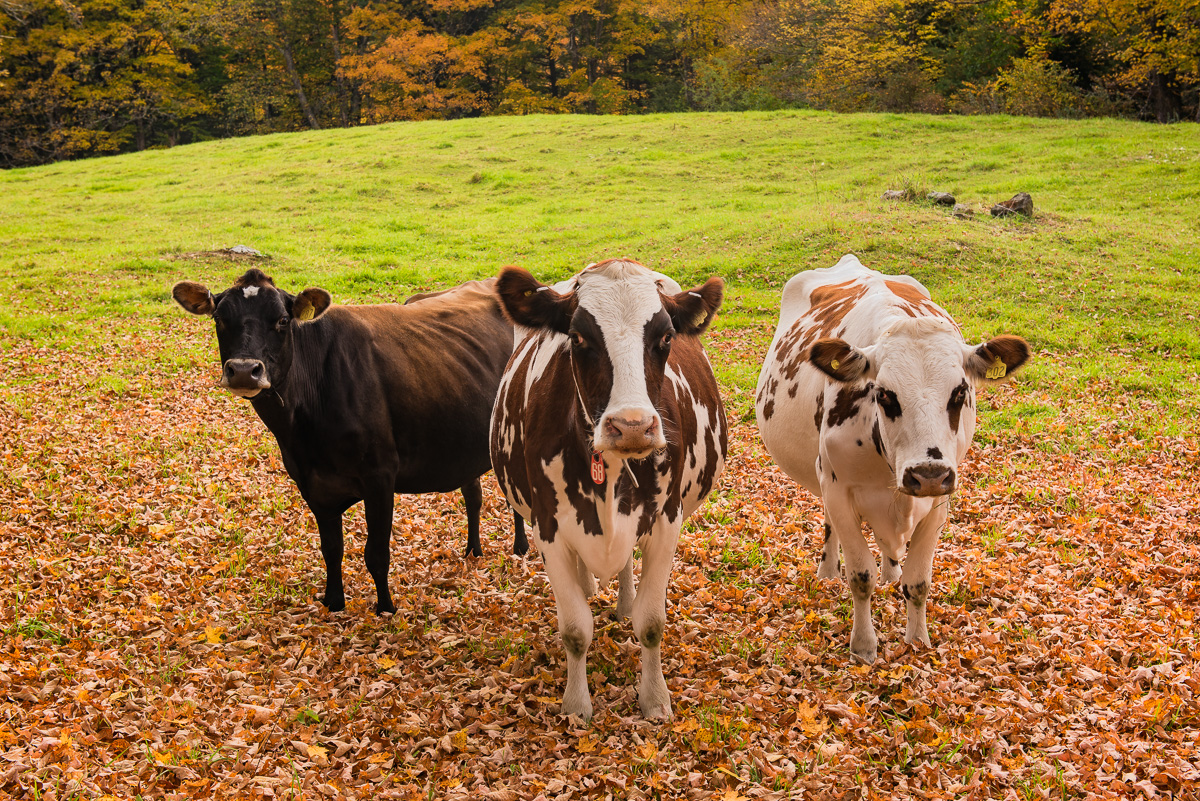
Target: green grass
1102, 281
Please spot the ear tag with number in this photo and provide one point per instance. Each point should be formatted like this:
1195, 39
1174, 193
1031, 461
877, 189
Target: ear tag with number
998, 370
835, 364
306, 313
597, 468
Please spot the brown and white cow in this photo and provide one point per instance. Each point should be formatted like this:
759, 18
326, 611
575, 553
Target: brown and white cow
366, 401
608, 431
867, 399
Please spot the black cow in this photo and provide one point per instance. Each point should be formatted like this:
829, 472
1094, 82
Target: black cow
366, 401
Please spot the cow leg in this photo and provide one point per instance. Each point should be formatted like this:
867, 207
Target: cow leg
918, 572
378, 551
574, 626
520, 544
587, 582
650, 617
889, 567
472, 494
829, 566
625, 589
329, 523
860, 573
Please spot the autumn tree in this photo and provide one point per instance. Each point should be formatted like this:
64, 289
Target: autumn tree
92, 77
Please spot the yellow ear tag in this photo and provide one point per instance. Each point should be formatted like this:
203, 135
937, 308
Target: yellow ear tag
306, 313
835, 364
998, 369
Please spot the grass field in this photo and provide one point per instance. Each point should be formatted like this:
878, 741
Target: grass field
161, 633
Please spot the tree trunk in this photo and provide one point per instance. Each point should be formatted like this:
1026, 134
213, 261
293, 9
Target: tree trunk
290, 64
1167, 107
343, 94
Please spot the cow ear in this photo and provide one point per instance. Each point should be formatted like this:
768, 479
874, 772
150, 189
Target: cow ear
310, 304
532, 304
194, 297
839, 360
997, 358
692, 311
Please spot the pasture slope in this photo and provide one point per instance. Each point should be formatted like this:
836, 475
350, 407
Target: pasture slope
161, 633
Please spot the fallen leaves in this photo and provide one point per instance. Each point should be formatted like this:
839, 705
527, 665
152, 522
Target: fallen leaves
163, 637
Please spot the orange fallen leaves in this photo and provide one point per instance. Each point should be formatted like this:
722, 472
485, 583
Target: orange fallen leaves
163, 637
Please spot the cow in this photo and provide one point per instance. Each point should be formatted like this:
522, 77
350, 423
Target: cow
608, 432
867, 399
365, 401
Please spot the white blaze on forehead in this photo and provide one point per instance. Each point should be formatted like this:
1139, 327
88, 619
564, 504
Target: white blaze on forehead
622, 296
249, 291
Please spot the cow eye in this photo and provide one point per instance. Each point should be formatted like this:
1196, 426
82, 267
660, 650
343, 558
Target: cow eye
282, 322
958, 397
577, 340
888, 403
665, 342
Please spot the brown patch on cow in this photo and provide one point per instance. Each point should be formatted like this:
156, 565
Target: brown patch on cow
253, 277
820, 410
828, 307
915, 303
769, 409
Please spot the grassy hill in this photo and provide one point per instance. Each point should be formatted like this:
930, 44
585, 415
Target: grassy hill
1102, 280
161, 633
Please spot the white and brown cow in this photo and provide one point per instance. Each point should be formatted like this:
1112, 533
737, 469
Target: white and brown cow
608, 431
867, 399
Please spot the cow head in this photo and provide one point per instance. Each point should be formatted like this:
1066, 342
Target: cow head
255, 322
921, 378
618, 326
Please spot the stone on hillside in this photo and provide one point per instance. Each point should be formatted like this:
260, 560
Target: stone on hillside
941, 198
897, 194
963, 212
1021, 203
242, 250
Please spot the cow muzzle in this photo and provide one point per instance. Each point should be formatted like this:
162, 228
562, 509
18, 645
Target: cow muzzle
631, 433
928, 479
245, 377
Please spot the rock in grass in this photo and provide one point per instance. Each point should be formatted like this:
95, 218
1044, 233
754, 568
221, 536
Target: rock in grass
897, 194
1021, 203
941, 198
963, 212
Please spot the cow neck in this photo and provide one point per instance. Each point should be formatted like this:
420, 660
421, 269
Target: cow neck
598, 469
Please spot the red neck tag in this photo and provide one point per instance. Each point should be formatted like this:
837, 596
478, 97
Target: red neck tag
597, 468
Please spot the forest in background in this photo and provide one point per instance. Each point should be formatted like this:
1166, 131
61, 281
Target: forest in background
94, 77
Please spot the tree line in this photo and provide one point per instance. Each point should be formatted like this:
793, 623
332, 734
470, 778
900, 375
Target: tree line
88, 77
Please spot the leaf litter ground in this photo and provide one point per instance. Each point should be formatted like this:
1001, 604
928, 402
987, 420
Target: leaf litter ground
163, 637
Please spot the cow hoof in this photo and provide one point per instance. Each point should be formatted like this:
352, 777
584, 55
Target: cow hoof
473, 550
583, 710
864, 655
659, 711
334, 604
829, 569
919, 640
385, 609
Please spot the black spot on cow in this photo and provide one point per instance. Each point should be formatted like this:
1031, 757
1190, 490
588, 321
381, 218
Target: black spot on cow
833, 475
888, 403
877, 439
820, 410
859, 441
917, 593
845, 405
860, 583
934, 453
958, 397
828, 532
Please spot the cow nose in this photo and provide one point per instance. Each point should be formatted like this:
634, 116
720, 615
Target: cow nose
631, 426
245, 374
929, 478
